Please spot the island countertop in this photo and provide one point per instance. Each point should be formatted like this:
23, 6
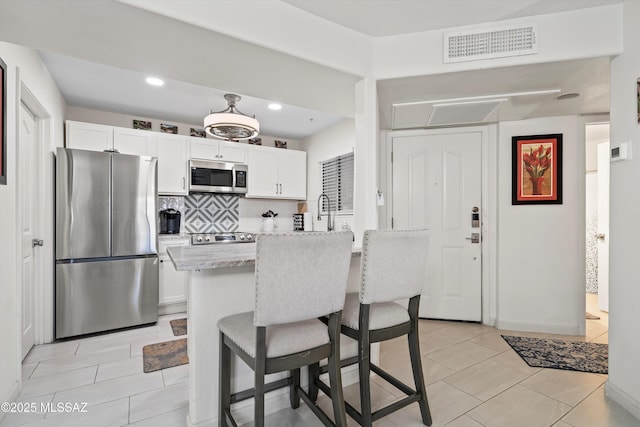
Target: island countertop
200, 257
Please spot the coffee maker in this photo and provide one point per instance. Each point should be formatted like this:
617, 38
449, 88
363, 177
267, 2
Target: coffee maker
169, 221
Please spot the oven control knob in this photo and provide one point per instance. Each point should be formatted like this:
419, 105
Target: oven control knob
242, 237
199, 239
207, 238
249, 237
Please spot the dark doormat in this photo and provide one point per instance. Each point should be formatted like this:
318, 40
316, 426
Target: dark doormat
179, 326
164, 355
559, 354
590, 316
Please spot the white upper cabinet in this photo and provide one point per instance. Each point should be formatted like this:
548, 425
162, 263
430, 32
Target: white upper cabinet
211, 149
94, 137
89, 136
171, 151
276, 173
133, 141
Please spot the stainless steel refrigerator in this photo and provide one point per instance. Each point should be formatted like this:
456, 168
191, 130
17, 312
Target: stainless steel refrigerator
106, 241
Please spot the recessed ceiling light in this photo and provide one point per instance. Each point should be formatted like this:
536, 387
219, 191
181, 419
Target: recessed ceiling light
567, 96
154, 81
275, 107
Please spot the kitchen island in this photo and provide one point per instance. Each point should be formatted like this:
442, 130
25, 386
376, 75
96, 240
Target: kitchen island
221, 283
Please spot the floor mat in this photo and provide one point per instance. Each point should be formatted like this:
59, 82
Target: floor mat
164, 355
560, 354
179, 326
590, 316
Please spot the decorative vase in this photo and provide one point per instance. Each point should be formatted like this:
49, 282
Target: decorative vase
268, 224
536, 185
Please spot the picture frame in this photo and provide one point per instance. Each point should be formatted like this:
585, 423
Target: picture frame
536, 169
197, 132
3, 122
141, 124
167, 128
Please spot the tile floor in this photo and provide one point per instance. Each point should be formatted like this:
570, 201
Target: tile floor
473, 379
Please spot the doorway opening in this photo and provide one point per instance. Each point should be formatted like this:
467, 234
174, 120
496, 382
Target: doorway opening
597, 230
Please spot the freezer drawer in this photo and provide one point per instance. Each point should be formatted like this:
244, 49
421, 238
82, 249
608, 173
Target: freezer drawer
103, 295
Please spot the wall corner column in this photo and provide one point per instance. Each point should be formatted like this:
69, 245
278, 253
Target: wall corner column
366, 157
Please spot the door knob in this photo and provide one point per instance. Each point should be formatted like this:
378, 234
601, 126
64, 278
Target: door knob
37, 242
600, 236
475, 238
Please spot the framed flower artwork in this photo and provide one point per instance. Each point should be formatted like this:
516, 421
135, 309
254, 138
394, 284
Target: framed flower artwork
537, 169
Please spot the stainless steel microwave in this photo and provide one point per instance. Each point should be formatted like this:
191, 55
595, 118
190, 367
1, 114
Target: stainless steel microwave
217, 177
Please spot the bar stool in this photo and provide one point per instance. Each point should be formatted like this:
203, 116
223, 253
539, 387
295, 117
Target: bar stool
393, 268
299, 277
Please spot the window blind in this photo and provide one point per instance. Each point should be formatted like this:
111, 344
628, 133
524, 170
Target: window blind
337, 183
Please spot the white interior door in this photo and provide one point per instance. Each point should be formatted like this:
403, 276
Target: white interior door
28, 173
603, 225
437, 184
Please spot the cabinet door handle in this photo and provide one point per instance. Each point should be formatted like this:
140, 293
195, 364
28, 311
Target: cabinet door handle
220, 156
276, 188
183, 182
280, 188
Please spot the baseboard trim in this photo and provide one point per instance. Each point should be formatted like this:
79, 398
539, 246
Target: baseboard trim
622, 399
546, 328
176, 307
12, 396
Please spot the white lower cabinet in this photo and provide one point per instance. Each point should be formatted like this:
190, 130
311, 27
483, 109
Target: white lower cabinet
173, 283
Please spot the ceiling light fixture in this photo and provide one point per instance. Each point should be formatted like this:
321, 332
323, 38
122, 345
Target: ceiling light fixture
231, 124
274, 106
154, 81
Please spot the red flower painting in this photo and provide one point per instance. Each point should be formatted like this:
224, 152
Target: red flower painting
536, 162
537, 169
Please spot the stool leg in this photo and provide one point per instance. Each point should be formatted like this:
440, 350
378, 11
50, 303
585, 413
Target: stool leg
335, 375
294, 397
364, 366
416, 361
314, 375
224, 386
259, 373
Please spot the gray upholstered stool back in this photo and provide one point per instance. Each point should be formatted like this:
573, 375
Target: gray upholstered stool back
393, 264
300, 276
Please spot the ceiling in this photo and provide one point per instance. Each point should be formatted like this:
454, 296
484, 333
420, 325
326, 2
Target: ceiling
104, 68
392, 17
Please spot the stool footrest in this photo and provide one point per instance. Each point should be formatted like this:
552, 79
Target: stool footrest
249, 393
392, 380
343, 363
324, 418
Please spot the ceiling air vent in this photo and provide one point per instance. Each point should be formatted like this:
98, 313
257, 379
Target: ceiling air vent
492, 43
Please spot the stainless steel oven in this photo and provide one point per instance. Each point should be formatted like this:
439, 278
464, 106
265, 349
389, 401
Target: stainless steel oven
217, 177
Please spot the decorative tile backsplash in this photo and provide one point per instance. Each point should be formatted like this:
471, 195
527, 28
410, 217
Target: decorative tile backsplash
205, 213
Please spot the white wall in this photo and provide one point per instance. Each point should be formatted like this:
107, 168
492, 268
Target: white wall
334, 141
541, 248
25, 63
624, 291
594, 32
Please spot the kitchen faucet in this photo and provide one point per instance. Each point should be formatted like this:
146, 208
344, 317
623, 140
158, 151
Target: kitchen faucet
329, 225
